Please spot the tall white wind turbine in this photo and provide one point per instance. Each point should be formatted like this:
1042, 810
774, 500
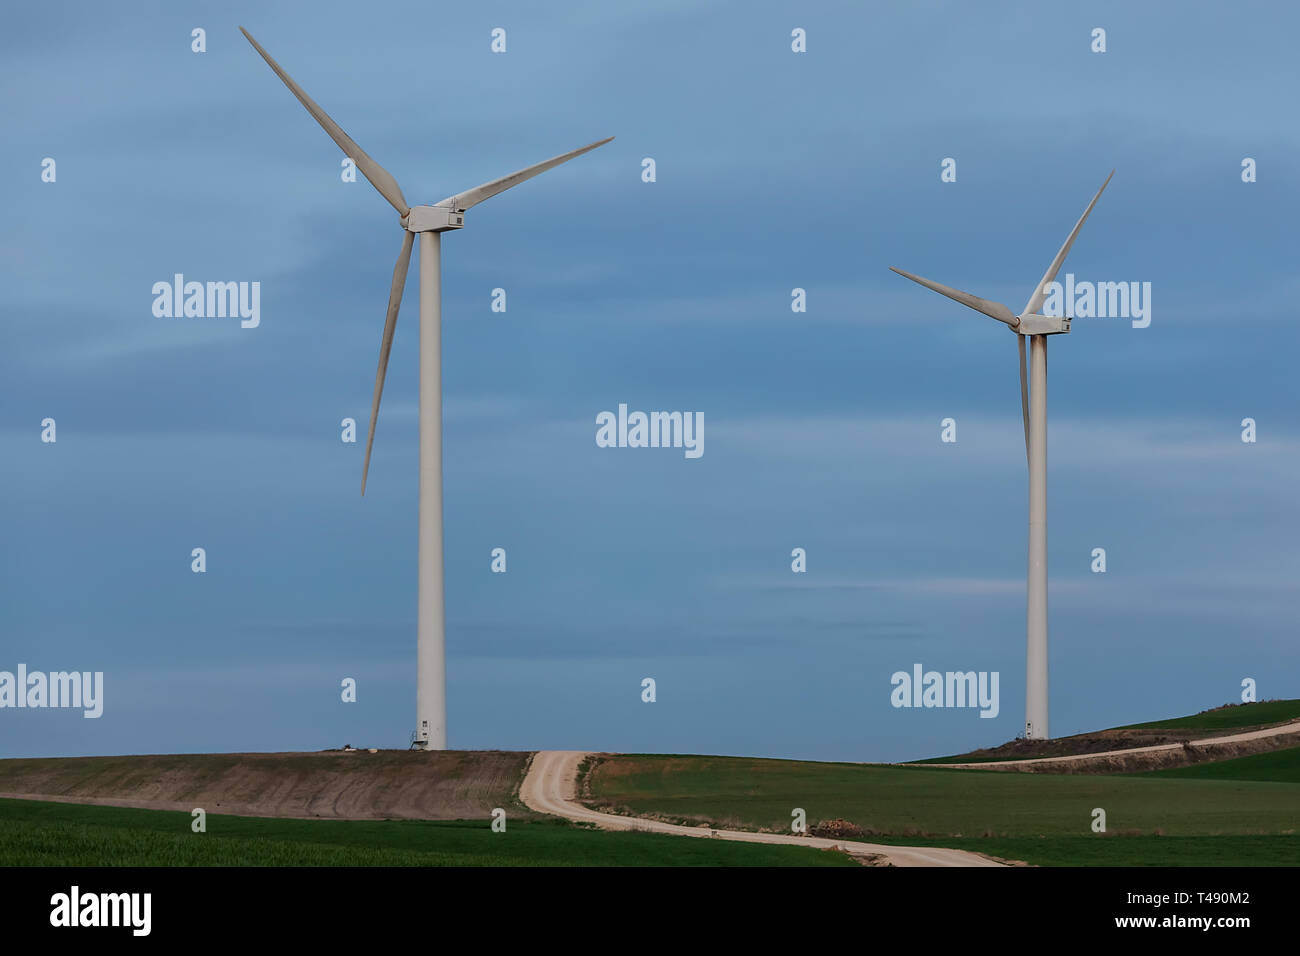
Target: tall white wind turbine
1033, 409
428, 222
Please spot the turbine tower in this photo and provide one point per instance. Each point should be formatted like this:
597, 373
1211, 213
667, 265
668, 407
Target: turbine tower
1033, 409
429, 223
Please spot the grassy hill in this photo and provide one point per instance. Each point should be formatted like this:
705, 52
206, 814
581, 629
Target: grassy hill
1152, 819
1228, 717
761, 794
1227, 720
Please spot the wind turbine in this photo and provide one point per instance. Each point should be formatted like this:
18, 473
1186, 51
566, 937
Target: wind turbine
428, 222
1033, 409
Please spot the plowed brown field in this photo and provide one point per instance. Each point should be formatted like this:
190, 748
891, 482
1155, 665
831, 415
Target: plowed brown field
341, 785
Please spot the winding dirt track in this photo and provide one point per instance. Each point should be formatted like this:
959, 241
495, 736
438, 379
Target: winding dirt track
550, 786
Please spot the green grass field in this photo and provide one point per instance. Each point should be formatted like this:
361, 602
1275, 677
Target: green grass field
1277, 766
1172, 819
1228, 718
34, 833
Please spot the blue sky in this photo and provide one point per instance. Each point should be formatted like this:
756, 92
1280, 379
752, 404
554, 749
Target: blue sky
774, 171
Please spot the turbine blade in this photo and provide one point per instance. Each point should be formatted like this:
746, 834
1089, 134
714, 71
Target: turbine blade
386, 344
472, 197
377, 176
995, 310
1024, 393
1040, 291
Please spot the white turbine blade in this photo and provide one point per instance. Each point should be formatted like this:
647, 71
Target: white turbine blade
994, 310
378, 177
472, 197
1040, 291
386, 344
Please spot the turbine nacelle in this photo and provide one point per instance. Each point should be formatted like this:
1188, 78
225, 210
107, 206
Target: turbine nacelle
1042, 325
436, 218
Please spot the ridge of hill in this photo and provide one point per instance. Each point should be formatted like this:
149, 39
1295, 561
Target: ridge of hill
1228, 720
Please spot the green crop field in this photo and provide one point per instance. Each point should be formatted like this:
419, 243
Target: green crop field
34, 833
1277, 766
1166, 815
1228, 718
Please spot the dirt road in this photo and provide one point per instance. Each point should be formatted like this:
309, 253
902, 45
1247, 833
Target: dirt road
551, 787
1208, 743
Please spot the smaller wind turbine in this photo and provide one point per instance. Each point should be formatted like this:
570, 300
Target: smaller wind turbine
1037, 328
429, 223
